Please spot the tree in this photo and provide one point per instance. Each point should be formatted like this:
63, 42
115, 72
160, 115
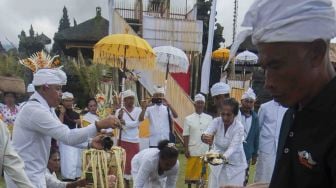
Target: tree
64, 22
218, 37
32, 43
31, 31
203, 13
75, 22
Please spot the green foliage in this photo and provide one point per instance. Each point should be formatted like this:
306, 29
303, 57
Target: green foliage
83, 80
30, 44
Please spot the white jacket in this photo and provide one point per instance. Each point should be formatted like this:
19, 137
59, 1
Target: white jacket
10, 162
34, 127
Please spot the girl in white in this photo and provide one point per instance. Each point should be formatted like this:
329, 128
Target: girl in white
227, 135
156, 167
91, 116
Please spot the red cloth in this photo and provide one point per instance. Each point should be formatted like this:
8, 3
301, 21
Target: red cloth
183, 79
131, 150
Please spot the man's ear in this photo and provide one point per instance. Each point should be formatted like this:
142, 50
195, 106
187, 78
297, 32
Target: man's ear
318, 51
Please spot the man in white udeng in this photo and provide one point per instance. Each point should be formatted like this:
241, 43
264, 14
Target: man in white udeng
158, 116
270, 118
37, 123
194, 125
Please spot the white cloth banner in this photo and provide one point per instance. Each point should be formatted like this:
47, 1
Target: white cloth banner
205, 77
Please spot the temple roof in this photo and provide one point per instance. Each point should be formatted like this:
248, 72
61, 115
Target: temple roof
91, 30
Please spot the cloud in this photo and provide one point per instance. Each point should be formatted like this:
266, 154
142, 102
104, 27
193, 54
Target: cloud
44, 15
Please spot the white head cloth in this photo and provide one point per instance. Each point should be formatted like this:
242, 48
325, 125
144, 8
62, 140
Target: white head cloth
50, 77
67, 95
159, 89
128, 93
287, 21
30, 88
199, 97
220, 88
249, 94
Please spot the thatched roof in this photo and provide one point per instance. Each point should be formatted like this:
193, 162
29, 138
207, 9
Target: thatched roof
332, 52
91, 31
82, 36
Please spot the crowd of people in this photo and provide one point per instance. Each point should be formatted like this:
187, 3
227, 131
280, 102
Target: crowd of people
291, 147
232, 131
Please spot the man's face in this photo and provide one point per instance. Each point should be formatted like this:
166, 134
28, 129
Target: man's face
53, 94
199, 106
287, 71
54, 162
218, 99
129, 101
247, 104
68, 103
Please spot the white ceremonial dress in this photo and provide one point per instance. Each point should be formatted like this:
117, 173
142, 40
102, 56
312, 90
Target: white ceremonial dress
230, 144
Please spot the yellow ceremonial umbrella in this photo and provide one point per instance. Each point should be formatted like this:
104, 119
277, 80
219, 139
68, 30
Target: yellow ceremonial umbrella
222, 54
124, 51
116, 49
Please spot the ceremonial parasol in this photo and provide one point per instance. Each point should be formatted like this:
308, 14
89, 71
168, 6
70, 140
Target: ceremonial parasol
222, 54
171, 59
246, 58
124, 51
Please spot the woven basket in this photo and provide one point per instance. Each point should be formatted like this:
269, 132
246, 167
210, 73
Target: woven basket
12, 84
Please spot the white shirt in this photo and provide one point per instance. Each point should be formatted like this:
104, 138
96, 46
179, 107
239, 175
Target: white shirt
52, 181
194, 125
145, 171
270, 119
230, 144
159, 123
35, 125
247, 122
130, 132
10, 162
89, 117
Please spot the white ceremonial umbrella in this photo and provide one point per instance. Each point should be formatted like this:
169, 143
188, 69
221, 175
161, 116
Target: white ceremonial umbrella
171, 59
246, 58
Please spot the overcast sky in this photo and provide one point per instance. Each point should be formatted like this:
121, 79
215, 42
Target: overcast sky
44, 15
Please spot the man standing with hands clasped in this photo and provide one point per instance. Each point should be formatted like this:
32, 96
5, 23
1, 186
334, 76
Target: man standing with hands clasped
194, 125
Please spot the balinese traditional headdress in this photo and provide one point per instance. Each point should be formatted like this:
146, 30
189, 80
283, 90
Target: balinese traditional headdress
41, 60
